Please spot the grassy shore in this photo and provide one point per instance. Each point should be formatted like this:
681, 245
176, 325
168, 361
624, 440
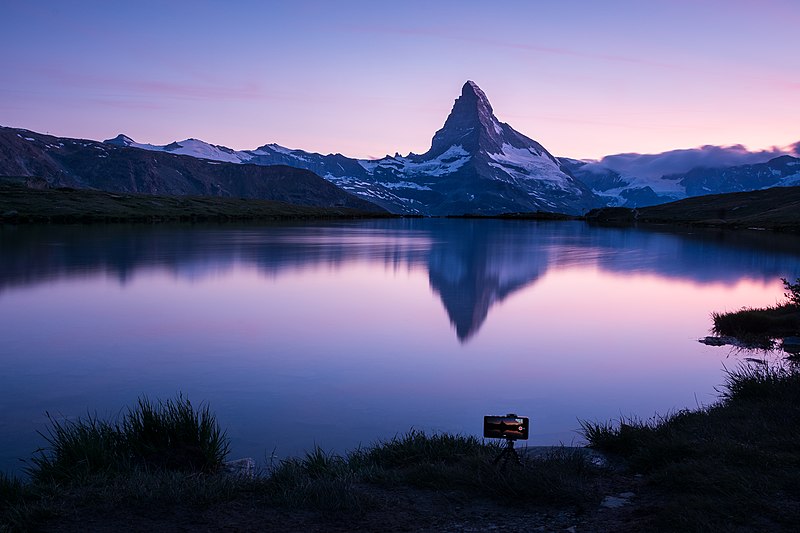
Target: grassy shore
164, 462
20, 204
760, 327
731, 466
775, 209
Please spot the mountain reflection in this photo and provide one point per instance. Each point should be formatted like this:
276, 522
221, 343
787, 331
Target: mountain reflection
471, 264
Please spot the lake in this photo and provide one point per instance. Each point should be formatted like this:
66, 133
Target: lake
362, 330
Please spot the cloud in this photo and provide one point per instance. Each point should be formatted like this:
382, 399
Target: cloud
679, 161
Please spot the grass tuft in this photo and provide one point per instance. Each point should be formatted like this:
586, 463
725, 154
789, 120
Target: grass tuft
415, 447
168, 435
76, 449
174, 435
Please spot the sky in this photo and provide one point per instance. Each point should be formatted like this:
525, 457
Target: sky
366, 78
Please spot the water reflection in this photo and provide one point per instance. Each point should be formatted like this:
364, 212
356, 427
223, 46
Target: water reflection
472, 265
341, 324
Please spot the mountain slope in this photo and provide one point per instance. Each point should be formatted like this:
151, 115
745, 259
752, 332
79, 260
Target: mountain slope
87, 164
776, 208
476, 164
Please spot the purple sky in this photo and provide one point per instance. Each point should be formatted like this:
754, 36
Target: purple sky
585, 79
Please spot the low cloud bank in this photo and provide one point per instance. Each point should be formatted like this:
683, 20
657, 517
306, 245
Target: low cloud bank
679, 161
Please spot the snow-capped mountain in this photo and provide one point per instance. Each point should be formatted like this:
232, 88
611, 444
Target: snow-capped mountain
476, 164
637, 180
192, 147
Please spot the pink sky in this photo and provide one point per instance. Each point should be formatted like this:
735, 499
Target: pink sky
585, 79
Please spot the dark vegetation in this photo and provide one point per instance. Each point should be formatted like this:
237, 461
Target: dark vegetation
20, 203
732, 466
84, 164
759, 327
777, 209
167, 435
166, 459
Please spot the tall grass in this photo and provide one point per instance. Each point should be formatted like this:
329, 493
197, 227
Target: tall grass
416, 447
150, 458
169, 435
11, 489
76, 449
734, 465
759, 326
465, 463
174, 435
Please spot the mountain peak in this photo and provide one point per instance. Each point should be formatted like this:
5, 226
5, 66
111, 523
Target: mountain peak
120, 140
471, 124
472, 93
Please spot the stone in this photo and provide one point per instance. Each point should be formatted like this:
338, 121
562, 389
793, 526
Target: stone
714, 341
245, 467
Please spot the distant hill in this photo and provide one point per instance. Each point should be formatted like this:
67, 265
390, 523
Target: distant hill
777, 208
30, 200
84, 164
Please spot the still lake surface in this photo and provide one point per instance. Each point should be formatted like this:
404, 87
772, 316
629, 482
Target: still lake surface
341, 333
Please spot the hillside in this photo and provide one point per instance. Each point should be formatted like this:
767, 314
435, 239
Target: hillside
84, 164
777, 208
20, 203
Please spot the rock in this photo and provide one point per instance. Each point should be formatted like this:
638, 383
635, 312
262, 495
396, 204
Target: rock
245, 467
714, 341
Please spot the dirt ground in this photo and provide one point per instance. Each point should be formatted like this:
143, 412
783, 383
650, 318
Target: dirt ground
395, 510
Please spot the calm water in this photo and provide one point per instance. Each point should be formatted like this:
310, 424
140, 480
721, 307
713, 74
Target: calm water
366, 329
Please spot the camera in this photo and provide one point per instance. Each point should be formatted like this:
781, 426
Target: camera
509, 427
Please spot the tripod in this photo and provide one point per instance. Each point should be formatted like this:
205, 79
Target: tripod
508, 454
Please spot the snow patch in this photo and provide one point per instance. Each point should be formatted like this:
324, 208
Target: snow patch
404, 185
526, 163
790, 181
448, 162
199, 149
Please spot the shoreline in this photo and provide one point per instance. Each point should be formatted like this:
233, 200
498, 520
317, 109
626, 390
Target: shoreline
731, 465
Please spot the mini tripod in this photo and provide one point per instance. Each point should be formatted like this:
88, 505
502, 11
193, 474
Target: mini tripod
508, 454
